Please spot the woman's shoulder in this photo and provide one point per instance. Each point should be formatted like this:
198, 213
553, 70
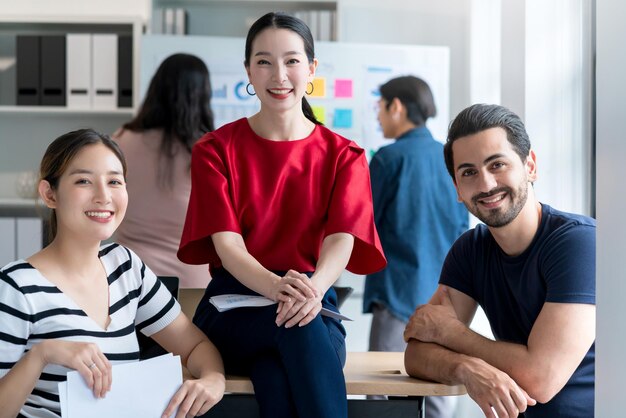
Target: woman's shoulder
122, 261
337, 141
140, 148
15, 272
226, 132
116, 254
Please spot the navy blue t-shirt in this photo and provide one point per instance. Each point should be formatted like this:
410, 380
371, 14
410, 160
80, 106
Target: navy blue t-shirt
559, 266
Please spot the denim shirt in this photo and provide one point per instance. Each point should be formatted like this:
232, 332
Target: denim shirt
418, 218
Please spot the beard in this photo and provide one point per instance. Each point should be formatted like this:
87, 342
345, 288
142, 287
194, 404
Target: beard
501, 216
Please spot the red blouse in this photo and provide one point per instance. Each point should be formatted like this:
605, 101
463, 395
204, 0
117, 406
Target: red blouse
283, 197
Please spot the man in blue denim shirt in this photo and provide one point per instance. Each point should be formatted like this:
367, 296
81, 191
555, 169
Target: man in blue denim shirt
417, 216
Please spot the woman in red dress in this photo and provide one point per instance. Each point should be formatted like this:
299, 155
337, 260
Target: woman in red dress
279, 207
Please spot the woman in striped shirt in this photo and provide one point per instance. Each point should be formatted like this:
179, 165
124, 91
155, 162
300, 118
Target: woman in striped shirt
75, 305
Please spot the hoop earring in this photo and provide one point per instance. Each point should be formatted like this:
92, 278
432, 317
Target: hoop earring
248, 90
312, 88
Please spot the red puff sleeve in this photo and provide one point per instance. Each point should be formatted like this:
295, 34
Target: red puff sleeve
210, 207
351, 210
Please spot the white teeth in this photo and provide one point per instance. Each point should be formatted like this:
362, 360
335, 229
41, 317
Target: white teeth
98, 214
497, 199
284, 91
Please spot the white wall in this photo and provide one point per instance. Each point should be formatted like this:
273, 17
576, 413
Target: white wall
513, 56
75, 8
557, 114
415, 22
611, 206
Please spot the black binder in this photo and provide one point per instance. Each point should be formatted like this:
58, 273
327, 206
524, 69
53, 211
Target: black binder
53, 74
27, 56
125, 71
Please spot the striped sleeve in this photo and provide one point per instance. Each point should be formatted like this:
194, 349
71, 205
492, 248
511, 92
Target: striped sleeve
157, 307
15, 323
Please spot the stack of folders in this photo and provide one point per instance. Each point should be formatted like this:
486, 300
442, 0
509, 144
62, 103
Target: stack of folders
76, 70
322, 23
169, 21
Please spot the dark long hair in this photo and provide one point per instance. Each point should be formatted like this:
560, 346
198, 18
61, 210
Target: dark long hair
279, 20
60, 154
178, 101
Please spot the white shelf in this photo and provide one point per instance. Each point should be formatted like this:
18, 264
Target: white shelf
72, 20
56, 110
18, 201
132, 24
159, 3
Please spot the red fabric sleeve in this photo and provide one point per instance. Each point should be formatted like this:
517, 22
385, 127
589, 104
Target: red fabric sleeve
351, 211
210, 207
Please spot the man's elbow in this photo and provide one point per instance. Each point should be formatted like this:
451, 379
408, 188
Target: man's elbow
543, 385
411, 357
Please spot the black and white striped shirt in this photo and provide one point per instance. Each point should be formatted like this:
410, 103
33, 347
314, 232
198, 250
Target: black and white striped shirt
32, 309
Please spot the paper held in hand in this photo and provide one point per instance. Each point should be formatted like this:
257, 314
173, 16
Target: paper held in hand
226, 302
138, 389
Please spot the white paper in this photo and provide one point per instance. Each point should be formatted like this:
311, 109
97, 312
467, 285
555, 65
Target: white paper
138, 389
63, 398
335, 315
226, 302
231, 301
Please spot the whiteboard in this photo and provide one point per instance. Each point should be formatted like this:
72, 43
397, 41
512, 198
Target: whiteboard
346, 83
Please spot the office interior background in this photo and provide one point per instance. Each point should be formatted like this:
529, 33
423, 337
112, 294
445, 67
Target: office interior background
557, 63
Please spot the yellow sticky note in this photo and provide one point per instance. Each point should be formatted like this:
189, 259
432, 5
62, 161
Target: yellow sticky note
319, 87
320, 113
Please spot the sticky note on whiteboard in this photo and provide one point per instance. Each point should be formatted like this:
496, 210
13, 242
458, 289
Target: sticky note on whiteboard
343, 88
320, 113
342, 118
319, 87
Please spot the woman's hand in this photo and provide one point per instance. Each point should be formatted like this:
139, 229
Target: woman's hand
195, 397
85, 358
299, 311
293, 287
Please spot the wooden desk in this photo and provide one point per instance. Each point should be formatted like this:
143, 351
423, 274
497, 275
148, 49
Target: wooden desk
369, 373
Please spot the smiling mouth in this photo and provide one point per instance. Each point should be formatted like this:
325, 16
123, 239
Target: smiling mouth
492, 200
99, 214
280, 92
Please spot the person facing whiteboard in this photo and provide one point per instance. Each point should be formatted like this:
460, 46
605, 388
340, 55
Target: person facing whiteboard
279, 207
157, 144
75, 304
417, 215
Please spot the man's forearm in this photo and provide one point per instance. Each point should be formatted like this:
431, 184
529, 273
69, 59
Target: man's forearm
501, 355
534, 373
433, 362
485, 384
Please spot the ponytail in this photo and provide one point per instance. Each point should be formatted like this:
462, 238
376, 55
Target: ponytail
308, 112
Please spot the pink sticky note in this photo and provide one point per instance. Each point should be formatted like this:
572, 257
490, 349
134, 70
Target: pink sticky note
343, 87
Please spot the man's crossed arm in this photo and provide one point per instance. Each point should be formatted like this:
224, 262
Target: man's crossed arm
502, 375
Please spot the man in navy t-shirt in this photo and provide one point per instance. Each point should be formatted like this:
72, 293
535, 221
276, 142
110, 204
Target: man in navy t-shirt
530, 267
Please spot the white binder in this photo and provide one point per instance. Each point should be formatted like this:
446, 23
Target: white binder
104, 71
78, 60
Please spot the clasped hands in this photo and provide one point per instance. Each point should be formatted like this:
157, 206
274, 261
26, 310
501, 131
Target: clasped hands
299, 300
